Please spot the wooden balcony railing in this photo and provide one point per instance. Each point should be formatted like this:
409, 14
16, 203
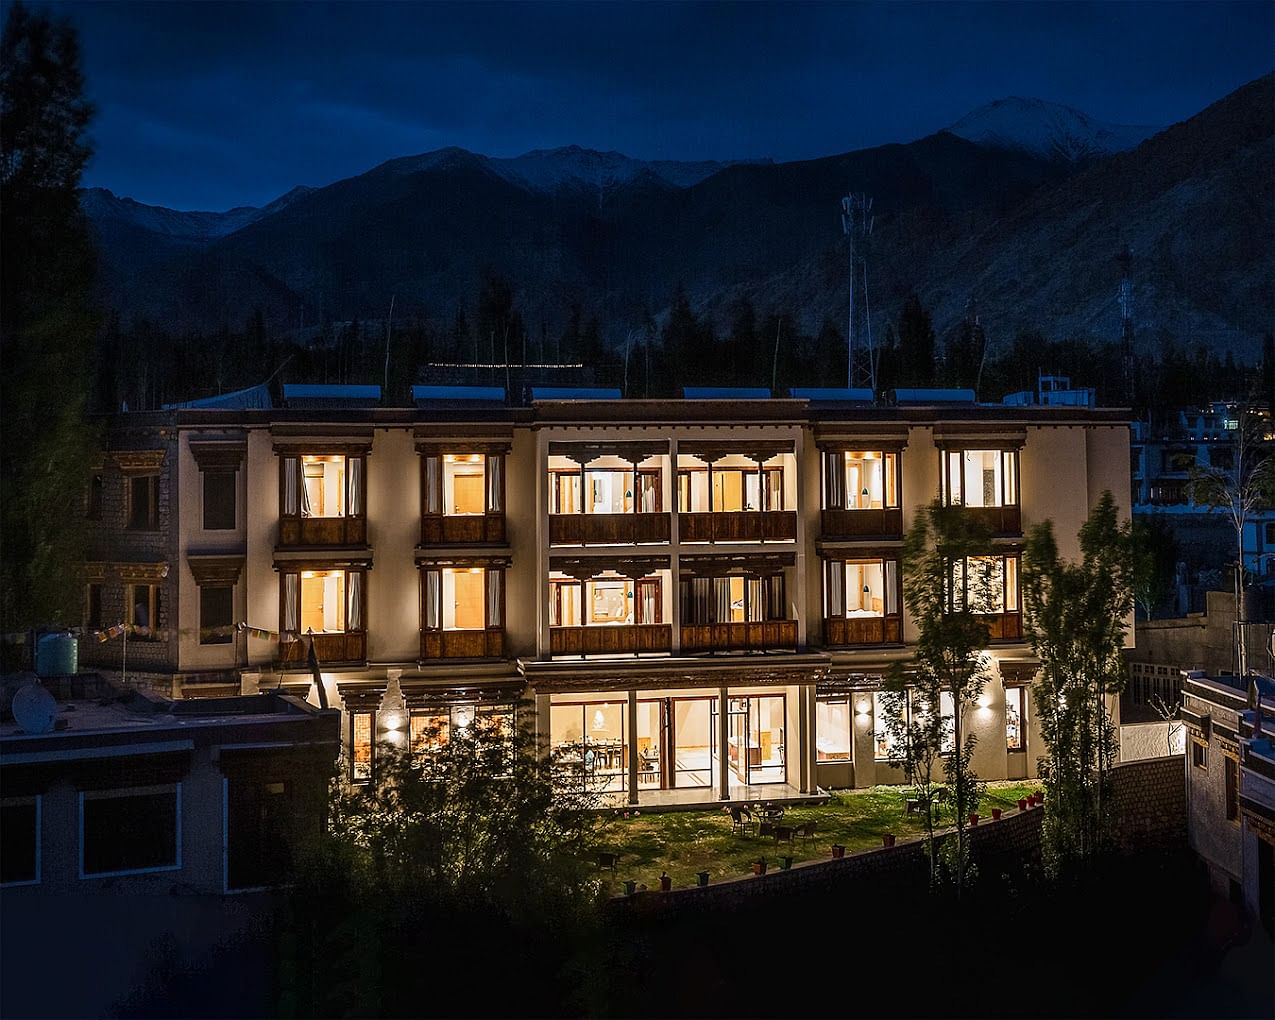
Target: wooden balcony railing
1004, 626
329, 648
471, 529
757, 636
608, 529
863, 523
463, 644
882, 630
738, 526
304, 531
611, 640
1002, 520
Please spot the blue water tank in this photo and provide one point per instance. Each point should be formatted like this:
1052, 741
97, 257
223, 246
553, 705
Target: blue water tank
57, 655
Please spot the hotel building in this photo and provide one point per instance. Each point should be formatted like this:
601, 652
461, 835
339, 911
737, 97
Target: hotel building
697, 597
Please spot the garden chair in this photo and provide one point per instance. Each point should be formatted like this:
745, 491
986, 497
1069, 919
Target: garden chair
606, 861
808, 830
741, 820
783, 834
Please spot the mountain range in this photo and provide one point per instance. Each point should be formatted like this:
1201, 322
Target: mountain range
1020, 206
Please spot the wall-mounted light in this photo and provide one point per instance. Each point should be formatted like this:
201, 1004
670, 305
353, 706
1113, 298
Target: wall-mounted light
863, 707
984, 700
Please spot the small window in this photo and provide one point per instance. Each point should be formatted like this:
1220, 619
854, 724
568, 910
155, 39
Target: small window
1199, 755
93, 606
1270, 533
216, 615
832, 730
1015, 719
96, 486
130, 831
219, 500
143, 502
260, 831
887, 739
143, 611
362, 746
1232, 788
20, 841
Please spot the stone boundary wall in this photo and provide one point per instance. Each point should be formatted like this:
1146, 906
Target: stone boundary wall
1150, 803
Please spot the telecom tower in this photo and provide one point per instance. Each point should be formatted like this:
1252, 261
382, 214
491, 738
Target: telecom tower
1125, 261
856, 224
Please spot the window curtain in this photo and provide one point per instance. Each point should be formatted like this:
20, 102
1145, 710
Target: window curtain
495, 483
354, 483
433, 600
290, 466
495, 596
834, 480
755, 602
649, 605
774, 489
291, 603
433, 485
775, 589
891, 587
721, 591
836, 574
354, 601
648, 490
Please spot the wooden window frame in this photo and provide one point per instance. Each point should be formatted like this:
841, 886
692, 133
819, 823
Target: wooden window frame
151, 478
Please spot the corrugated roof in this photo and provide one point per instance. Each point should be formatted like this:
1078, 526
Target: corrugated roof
933, 396
254, 398
459, 394
574, 393
832, 394
725, 393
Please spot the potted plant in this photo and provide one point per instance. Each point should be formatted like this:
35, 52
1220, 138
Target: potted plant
1039, 796
838, 851
759, 866
630, 886
785, 863
666, 883
887, 839
701, 878
996, 814
973, 818
1023, 802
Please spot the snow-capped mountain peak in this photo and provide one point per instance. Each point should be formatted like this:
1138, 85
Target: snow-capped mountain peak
1048, 130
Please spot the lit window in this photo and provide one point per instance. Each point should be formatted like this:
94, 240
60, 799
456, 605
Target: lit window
981, 478
362, 746
463, 484
1015, 719
832, 729
887, 706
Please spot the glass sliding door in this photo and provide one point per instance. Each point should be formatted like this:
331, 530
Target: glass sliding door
589, 740
756, 738
692, 720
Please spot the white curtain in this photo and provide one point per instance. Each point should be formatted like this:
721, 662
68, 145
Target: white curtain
289, 486
834, 480
292, 602
354, 484
433, 599
495, 483
836, 572
495, 589
354, 597
433, 485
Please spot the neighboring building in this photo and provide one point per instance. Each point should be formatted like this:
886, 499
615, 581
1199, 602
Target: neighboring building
699, 596
1231, 785
127, 825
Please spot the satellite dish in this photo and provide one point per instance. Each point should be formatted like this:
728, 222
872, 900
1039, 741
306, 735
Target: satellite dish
34, 709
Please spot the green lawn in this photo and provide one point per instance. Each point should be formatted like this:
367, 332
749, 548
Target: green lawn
686, 842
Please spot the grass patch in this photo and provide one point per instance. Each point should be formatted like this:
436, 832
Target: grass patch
683, 843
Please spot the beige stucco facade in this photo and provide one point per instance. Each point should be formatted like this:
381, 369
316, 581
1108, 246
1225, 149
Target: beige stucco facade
724, 658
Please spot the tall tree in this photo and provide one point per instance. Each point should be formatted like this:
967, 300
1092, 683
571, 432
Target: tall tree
46, 319
1239, 486
1077, 614
916, 344
949, 587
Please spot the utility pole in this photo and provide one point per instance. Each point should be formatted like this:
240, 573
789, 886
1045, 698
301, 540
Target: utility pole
1125, 261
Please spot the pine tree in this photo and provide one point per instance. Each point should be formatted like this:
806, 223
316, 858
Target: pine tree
47, 322
916, 344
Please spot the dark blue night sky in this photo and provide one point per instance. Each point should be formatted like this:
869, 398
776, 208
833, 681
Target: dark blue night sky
213, 105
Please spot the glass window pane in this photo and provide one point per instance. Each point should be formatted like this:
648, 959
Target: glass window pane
323, 601
610, 602
361, 746
892, 480
832, 729
464, 478
865, 589
463, 598
1014, 735
129, 831
216, 615
324, 491
887, 705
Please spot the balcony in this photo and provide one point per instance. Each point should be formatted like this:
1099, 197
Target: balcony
320, 531
618, 640
463, 644
467, 529
608, 529
840, 632
1001, 520
738, 526
1004, 626
755, 636
328, 648
863, 523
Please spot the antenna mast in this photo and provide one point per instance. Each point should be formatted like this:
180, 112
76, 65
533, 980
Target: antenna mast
856, 224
